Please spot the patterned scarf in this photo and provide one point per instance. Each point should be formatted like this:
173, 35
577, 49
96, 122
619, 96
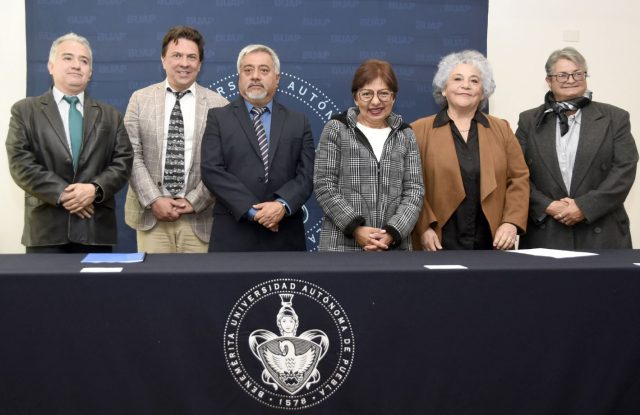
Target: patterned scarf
560, 108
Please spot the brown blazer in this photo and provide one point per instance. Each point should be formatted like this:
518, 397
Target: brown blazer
504, 177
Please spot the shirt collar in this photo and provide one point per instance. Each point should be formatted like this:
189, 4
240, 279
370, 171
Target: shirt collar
442, 118
59, 96
191, 88
250, 105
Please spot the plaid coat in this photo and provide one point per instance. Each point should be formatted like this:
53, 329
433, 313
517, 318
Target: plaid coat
354, 188
144, 121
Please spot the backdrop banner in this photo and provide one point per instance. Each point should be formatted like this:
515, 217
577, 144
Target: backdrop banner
320, 44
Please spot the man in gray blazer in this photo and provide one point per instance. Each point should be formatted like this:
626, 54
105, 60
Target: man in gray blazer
257, 159
70, 154
582, 160
167, 203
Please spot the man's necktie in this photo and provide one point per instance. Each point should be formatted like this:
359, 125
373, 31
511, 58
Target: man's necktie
263, 144
174, 158
75, 128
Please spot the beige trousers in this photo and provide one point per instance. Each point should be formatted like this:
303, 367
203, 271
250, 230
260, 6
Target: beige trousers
171, 237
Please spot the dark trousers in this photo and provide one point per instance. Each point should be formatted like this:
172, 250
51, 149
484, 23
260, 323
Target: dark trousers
71, 248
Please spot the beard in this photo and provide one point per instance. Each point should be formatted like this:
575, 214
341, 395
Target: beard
257, 95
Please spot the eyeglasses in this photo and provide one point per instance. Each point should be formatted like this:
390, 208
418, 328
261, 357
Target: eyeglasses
367, 95
563, 77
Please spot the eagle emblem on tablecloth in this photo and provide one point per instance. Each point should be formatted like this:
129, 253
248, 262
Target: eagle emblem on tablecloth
290, 362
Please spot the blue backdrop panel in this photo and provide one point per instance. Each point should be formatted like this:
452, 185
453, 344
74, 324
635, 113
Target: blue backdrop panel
320, 43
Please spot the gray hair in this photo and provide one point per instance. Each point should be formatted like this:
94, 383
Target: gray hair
64, 38
448, 64
259, 48
568, 53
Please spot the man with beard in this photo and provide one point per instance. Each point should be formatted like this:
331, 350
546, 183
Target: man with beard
257, 160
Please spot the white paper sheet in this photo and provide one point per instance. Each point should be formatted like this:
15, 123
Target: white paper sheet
445, 266
101, 269
552, 253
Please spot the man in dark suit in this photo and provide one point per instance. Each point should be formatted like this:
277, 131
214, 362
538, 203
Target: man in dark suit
257, 159
582, 160
70, 154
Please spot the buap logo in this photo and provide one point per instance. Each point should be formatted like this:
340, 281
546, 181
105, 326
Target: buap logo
290, 362
284, 369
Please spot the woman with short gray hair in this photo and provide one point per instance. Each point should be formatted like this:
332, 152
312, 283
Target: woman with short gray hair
475, 177
582, 159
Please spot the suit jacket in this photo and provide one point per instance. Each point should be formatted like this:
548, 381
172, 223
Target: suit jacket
40, 163
354, 188
145, 120
234, 172
603, 173
504, 177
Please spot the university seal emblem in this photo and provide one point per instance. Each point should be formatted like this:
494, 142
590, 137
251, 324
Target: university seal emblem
289, 362
271, 361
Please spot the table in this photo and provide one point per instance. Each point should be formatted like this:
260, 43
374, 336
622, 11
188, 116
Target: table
190, 334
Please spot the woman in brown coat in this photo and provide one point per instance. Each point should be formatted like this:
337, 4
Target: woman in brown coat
475, 177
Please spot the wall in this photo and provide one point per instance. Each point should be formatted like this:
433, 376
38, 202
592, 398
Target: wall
521, 36
13, 70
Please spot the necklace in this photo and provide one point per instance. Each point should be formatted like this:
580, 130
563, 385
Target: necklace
454, 122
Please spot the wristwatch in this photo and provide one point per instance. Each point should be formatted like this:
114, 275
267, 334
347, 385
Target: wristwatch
284, 205
99, 194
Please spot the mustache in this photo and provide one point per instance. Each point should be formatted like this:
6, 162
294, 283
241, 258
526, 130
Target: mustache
256, 84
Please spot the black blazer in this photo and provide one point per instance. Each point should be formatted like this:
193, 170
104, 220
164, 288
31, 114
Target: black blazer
40, 163
603, 173
233, 171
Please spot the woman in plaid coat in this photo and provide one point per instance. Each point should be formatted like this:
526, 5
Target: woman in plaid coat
368, 176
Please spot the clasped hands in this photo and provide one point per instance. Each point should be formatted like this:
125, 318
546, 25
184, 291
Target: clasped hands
168, 209
505, 238
565, 211
372, 239
269, 214
78, 199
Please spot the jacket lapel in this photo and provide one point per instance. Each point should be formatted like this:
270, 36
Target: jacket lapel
487, 171
201, 115
51, 112
546, 140
277, 124
592, 129
159, 98
90, 115
240, 111
445, 158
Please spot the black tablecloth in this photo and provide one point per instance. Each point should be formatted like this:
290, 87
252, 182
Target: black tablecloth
512, 334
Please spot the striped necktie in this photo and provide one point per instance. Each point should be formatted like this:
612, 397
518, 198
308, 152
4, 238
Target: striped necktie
263, 144
173, 179
75, 128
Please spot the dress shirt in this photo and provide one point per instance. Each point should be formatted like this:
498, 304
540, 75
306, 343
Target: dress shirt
567, 147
